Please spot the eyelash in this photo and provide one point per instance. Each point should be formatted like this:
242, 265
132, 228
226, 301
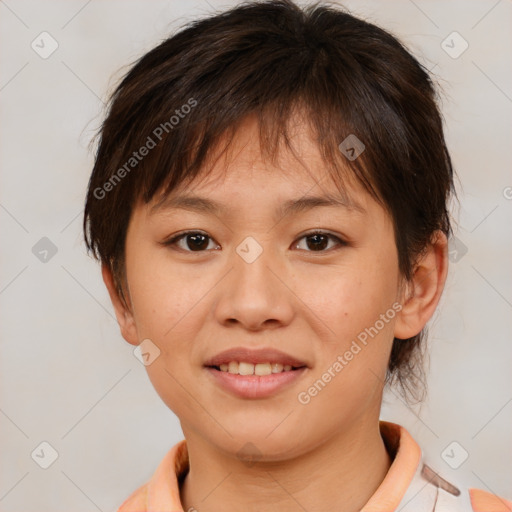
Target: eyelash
176, 238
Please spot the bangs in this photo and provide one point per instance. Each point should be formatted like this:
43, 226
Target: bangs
275, 135
295, 85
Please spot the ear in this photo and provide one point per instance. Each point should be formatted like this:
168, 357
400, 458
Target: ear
422, 293
123, 313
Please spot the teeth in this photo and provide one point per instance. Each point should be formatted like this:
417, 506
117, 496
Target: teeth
277, 368
245, 368
261, 369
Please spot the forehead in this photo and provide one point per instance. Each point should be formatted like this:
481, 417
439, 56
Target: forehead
241, 164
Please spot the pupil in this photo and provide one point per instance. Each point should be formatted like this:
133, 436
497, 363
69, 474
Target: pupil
317, 244
197, 242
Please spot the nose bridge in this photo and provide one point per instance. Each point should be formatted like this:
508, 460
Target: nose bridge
251, 269
253, 295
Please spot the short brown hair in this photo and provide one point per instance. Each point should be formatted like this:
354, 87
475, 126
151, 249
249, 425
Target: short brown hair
269, 59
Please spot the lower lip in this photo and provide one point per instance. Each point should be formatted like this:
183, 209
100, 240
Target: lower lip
255, 386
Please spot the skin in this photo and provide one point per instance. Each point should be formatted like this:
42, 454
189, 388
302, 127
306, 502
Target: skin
308, 303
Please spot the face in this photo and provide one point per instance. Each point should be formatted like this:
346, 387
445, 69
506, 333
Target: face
255, 273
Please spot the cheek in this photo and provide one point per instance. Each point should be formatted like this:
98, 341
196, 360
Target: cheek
171, 305
169, 309
350, 297
356, 304
164, 296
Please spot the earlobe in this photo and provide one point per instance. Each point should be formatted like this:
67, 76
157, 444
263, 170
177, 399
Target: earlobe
123, 313
421, 295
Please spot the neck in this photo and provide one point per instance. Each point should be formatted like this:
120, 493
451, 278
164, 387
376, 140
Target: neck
341, 473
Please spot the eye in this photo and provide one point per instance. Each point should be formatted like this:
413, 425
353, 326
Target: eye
194, 241
319, 240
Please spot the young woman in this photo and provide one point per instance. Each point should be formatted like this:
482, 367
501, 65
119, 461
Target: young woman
269, 205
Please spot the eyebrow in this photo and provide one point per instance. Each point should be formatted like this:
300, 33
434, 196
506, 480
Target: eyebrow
292, 206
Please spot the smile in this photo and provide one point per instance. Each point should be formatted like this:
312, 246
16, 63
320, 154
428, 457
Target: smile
260, 369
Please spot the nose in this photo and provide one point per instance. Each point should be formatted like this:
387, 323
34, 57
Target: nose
255, 293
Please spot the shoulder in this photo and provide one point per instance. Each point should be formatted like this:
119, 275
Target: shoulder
136, 502
430, 491
162, 491
483, 501
428, 487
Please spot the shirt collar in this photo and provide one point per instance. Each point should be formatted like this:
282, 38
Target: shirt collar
163, 490
406, 455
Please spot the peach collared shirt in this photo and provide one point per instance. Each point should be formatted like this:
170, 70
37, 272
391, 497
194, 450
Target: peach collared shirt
409, 486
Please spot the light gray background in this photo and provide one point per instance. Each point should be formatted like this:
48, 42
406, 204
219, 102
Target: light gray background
66, 375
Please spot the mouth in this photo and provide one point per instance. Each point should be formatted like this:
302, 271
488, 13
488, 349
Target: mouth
249, 373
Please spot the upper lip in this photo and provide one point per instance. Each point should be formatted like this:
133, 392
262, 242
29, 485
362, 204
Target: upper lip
254, 356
